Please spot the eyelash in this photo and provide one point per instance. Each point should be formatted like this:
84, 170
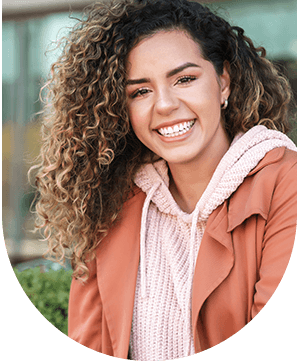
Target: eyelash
187, 78
138, 93
182, 79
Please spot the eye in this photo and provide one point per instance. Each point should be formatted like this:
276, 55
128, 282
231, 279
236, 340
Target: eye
185, 79
139, 92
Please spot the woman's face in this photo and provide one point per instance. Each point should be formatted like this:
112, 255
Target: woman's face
175, 97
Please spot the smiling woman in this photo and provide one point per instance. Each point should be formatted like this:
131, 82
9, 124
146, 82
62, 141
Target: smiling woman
170, 85
166, 175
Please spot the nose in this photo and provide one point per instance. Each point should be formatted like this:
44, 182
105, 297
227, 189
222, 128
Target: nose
166, 102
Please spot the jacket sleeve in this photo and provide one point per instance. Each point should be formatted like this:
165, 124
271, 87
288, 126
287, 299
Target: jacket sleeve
85, 311
279, 238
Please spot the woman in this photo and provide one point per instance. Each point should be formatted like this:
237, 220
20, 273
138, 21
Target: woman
167, 178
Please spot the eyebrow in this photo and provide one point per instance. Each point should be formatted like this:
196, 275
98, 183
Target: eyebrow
169, 74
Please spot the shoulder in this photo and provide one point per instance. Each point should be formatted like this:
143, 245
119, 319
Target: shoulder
278, 165
130, 214
277, 168
135, 200
271, 182
278, 160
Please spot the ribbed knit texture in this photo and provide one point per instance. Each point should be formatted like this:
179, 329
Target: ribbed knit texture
170, 241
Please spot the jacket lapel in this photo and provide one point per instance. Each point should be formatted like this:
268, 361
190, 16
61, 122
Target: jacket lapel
117, 265
214, 263
216, 255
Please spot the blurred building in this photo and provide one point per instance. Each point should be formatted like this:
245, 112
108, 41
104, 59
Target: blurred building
29, 29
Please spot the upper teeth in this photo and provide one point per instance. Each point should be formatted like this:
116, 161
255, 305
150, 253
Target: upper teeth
177, 129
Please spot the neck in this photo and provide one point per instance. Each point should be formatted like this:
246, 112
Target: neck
189, 181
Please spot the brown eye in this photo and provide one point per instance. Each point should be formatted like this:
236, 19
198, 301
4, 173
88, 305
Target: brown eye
186, 79
139, 92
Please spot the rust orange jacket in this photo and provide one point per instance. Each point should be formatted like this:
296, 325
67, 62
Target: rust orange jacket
244, 252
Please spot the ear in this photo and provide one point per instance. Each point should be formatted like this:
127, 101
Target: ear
225, 82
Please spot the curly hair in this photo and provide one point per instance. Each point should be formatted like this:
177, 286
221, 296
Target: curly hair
90, 154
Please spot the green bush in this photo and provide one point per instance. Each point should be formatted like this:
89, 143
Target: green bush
49, 292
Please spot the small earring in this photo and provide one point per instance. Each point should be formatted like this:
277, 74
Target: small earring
223, 107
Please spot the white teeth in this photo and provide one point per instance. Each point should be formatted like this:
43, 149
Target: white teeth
177, 129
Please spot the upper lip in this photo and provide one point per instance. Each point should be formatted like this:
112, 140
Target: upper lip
172, 123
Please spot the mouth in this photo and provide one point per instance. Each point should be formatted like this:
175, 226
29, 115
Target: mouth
177, 129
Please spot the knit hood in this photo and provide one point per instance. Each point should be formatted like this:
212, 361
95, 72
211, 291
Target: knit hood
244, 153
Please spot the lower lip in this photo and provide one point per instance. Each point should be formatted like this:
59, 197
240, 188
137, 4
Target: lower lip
178, 137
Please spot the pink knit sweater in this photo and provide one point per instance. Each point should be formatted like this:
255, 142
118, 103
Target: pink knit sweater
170, 241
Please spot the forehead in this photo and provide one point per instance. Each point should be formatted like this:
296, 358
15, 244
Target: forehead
165, 48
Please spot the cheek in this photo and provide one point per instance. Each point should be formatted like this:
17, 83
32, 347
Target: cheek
208, 103
137, 118
133, 120
137, 126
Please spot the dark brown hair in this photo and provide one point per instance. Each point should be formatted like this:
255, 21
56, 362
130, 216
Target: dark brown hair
90, 154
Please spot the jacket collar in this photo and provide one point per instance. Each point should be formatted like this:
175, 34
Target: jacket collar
255, 201
271, 157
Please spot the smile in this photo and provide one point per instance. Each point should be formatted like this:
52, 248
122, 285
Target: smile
175, 130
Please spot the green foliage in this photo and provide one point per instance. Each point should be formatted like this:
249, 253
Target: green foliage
49, 292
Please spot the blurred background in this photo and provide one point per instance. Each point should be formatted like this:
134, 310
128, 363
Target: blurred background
29, 29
